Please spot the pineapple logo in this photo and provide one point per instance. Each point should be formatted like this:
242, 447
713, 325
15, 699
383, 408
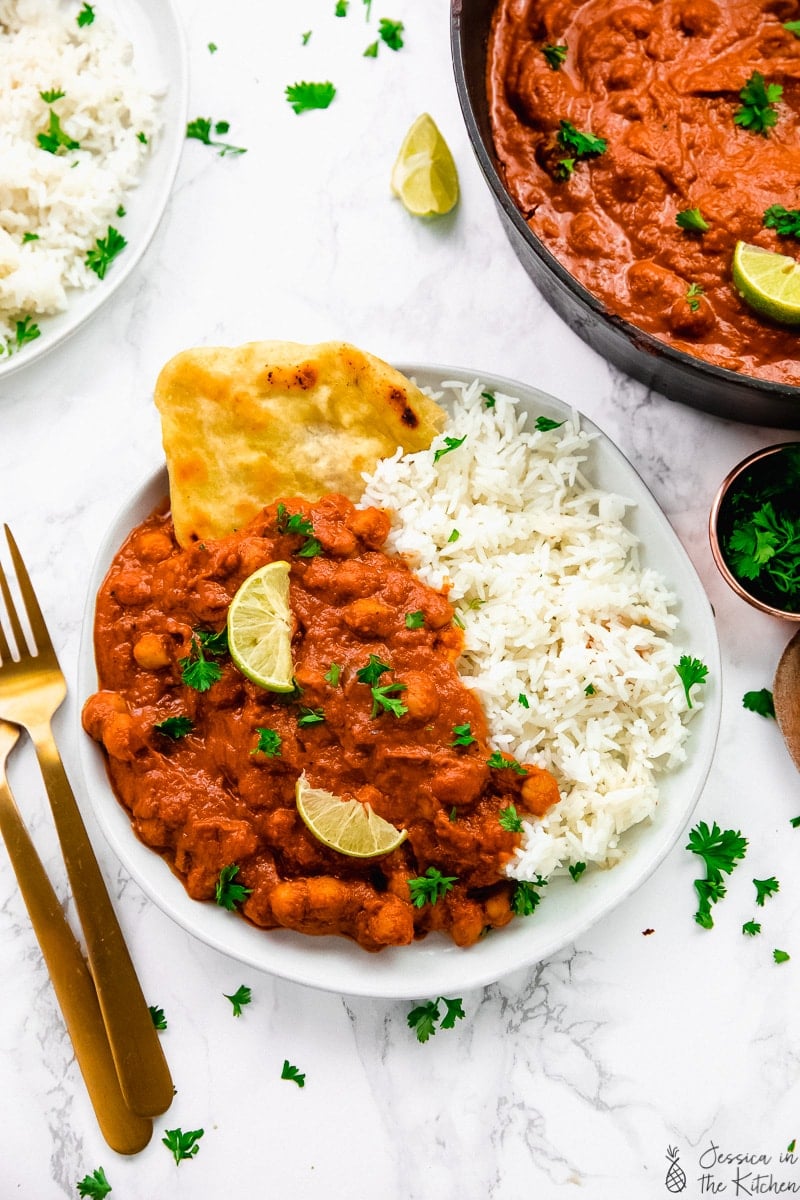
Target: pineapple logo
676, 1176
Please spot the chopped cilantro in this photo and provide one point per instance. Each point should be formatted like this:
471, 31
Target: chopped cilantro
430, 887
333, 675
382, 699
269, 742
576, 870
423, 1018
175, 727
182, 1145
780, 956
104, 251
692, 220
450, 443
760, 702
29, 237
415, 620
200, 129
227, 893
306, 37
510, 820
545, 424
372, 50
589, 690
121, 211
758, 104
310, 716
501, 763
488, 399
523, 700
371, 673
463, 735
142, 137
196, 671
86, 15
751, 928
454, 536
157, 1016
391, 33
554, 56
793, 27
341, 8
765, 888
95, 1186
213, 643
693, 294
55, 139
795, 822
720, 850
691, 671
785, 221
305, 96
239, 999
212, 47
526, 897
51, 96
293, 1073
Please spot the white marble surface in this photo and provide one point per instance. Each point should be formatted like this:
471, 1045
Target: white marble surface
576, 1075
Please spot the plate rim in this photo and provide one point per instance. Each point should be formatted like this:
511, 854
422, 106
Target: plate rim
439, 967
125, 268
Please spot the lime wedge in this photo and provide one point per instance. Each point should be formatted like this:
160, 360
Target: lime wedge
348, 826
424, 175
768, 282
260, 628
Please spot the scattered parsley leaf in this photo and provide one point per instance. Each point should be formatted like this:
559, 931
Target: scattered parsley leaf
200, 129
372, 50
157, 1017
175, 727
792, 1143
104, 251
196, 671
554, 56
55, 139
585, 145
453, 814
269, 742
693, 294
310, 716
228, 894
589, 690
290, 1072
29, 237
430, 887
489, 400
142, 137
692, 220
371, 673
786, 221
96, 1186
780, 956
564, 169
545, 424
793, 27
765, 888
341, 8
305, 37
25, 331
86, 15
690, 672
415, 620
391, 32
795, 822
523, 700
239, 999
760, 702
215, 644
501, 763
287, 522
576, 870
310, 548
305, 96
51, 96
121, 211
423, 1018
182, 1145
382, 699
758, 104
454, 536
720, 850
333, 675
463, 735
526, 897
368, 7
450, 443
212, 47
510, 820
751, 928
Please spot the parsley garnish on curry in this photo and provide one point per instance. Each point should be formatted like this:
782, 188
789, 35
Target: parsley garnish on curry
206, 761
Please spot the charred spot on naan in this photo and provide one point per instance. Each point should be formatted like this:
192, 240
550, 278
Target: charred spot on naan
246, 424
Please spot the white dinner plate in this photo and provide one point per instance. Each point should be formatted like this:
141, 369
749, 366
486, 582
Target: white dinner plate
161, 60
434, 966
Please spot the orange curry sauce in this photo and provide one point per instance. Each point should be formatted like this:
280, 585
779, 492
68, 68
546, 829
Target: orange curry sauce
659, 81
211, 800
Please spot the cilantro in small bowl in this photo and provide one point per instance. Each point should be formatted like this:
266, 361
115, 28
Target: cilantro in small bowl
754, 530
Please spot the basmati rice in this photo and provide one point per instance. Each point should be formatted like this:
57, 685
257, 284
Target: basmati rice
567, 636
62, 201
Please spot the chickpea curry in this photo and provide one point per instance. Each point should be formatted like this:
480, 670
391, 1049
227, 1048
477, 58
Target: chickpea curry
641, 141
208, 772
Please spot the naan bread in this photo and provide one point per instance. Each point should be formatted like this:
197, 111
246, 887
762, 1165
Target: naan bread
242, 426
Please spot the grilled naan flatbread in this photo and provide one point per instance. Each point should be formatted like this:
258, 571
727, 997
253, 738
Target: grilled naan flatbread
242, 426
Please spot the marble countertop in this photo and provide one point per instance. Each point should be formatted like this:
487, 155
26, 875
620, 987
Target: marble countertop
573, 1076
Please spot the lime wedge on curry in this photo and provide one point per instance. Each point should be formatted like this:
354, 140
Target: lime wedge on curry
768, 282
424, 175
348, 826
260, 628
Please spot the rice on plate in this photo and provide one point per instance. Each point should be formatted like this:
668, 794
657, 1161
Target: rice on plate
567, 636
99, 123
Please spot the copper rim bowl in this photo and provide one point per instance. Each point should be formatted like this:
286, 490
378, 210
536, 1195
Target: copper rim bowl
675, 374
717, 515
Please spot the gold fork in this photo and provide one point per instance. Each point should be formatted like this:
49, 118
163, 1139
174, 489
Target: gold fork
72, 983
32, 687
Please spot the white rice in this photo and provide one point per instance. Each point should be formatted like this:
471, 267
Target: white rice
70, 198
546, 578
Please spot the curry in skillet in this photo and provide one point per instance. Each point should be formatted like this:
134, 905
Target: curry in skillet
614, 119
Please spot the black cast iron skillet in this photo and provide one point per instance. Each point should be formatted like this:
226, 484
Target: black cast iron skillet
675, 374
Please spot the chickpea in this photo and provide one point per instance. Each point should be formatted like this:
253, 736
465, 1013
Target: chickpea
153, 545
420, 697
539, 790
370, 615
151, 652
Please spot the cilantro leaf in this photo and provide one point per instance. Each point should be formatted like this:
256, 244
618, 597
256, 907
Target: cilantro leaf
767, 543
333, 675
213, 643
182, 1145
765, 888
227, 893
51, 96
415, 620
55, 139
692, 220
175, 727
196, 671
26, 331
576, 870
391, 33
554, 56
292, 1073
463, 735
305, 96
751, 928
545, 424
510, 820
693, 294
430, 887
450, 443
780, 956
372, 50
95, 1185
590, 690
86, 15
382, 699
423, 1018
501, 763
488, 400
786, 221
29, 237
720, 850
292, 522
306, 37
758, 104
310, 716
104, 251
269, 742
583, 145
526, 896
760, 702
157, 1016
690, 672
793, 27
341, 8
200, 129
371, 673
239, 999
